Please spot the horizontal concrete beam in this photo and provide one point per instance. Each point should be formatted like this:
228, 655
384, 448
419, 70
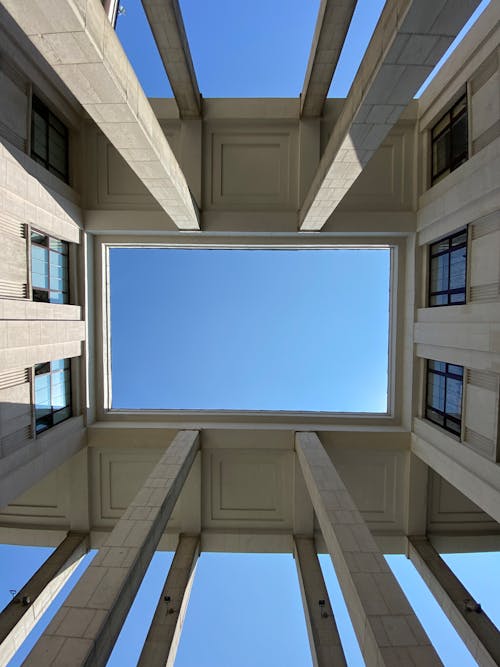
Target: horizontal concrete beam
78, 41
167, 26
410, 38
334, 17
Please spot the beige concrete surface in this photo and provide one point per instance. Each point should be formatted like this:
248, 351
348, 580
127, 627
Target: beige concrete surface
29, 604
473, 625
324, 639
85, 629
387, 629
162, 641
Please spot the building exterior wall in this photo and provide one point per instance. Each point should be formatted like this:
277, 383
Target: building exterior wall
31, 332
249, 164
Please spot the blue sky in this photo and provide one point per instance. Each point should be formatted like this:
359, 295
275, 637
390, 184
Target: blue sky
256, 48
245, 610
252, 603
250, 329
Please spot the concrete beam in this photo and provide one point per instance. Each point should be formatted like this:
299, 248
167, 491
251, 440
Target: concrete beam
80, 44
387, 629
334, 17
84, 630
167, 26
21, 615
324, 639
410, 38
473, 625
160, 647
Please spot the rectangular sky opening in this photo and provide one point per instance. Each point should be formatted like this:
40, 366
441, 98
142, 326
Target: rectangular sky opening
242, 329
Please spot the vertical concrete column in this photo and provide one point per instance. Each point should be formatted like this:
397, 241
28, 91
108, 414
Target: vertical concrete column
387, 629
326, 649
21, 615
85, 629
160, 647
473, 625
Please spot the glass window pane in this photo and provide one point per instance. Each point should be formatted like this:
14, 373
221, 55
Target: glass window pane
59, 246
43, 422
58, 297
58, 365
439, 300
39, 266
37, 237
456, 370
453, 426
458, 298
458, 262
435, 391
436, 365
57, 152
39, 122
61, 415
56, 124
459, 239
459, 146
435, 417
439, 273
440, 246
42, 368
440, 125
459, 107
41, 295
49, 140
440, 153
454, 397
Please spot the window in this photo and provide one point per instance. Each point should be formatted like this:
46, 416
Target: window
49, 269
49, 140
449, 139
448, 270
52, 393
444, 395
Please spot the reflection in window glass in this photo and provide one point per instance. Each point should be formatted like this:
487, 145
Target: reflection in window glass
450, 141
52, 393
448, 270
49, 140
444, 395
49, 269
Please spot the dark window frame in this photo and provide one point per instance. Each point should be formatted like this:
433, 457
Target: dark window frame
49, 420
38, 293
449, 291
52, 124
429, 409
452, 163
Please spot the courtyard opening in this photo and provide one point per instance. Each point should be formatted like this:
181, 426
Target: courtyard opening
250, 329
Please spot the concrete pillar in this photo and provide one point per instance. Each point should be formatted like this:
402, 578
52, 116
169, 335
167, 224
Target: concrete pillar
326, 649
473, 625
19, 617
160, 647
387, 629
85, 629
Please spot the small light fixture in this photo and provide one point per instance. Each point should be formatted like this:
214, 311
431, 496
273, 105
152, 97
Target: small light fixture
472, 605
324, 614
167, 599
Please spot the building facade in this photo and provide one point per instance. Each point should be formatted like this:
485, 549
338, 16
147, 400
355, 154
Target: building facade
88, 163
